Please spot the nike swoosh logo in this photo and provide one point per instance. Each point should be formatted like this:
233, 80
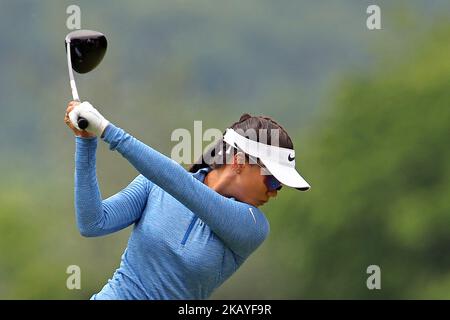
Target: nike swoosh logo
291, 158
252, 214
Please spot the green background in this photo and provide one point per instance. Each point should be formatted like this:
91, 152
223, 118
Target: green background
368, 112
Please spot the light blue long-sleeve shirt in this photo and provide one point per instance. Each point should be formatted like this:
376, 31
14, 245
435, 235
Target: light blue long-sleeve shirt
187, 239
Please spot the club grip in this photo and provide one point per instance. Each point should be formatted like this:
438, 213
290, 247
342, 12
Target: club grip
82, 123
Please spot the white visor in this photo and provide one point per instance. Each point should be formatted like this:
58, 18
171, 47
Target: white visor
279, 161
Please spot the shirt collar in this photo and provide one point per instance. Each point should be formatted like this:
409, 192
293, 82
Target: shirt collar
201, 173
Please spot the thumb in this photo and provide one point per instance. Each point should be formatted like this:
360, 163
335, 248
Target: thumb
73, 116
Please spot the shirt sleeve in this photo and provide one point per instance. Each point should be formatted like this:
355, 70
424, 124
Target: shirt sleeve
97, 217
242, 227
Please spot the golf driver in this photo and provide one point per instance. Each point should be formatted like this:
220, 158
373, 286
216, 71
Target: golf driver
86, 50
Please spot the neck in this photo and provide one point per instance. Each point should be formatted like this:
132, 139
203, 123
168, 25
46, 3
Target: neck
219, 181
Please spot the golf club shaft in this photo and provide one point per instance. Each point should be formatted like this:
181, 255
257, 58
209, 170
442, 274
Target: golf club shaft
81, 122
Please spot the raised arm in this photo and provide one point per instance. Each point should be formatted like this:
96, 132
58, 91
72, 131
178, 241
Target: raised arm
94, 216
241, 226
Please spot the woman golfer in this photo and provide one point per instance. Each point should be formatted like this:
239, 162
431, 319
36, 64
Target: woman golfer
192, 230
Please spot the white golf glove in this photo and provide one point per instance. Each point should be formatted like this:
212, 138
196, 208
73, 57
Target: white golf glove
97, 123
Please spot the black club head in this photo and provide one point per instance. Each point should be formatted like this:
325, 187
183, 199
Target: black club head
87, 49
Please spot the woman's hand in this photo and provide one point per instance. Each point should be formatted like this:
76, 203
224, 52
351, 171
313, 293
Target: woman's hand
96, 122
78, 133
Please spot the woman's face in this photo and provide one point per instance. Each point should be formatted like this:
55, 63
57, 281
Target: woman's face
251, 187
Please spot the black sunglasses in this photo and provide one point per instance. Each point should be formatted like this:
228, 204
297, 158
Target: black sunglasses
270, 181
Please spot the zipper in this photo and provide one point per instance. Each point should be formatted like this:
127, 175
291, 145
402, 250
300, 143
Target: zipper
188, 231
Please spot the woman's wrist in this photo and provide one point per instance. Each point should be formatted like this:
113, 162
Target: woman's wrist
85, 137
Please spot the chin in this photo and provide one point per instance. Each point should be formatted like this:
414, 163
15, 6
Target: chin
259, 203
253, 203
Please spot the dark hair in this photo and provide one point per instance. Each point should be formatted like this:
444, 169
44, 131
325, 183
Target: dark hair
259, 124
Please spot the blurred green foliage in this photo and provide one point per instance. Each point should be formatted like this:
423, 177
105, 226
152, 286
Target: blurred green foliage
379, 164
374, 147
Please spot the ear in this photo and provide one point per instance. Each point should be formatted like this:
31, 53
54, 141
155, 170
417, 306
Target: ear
240, 158
238, 162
